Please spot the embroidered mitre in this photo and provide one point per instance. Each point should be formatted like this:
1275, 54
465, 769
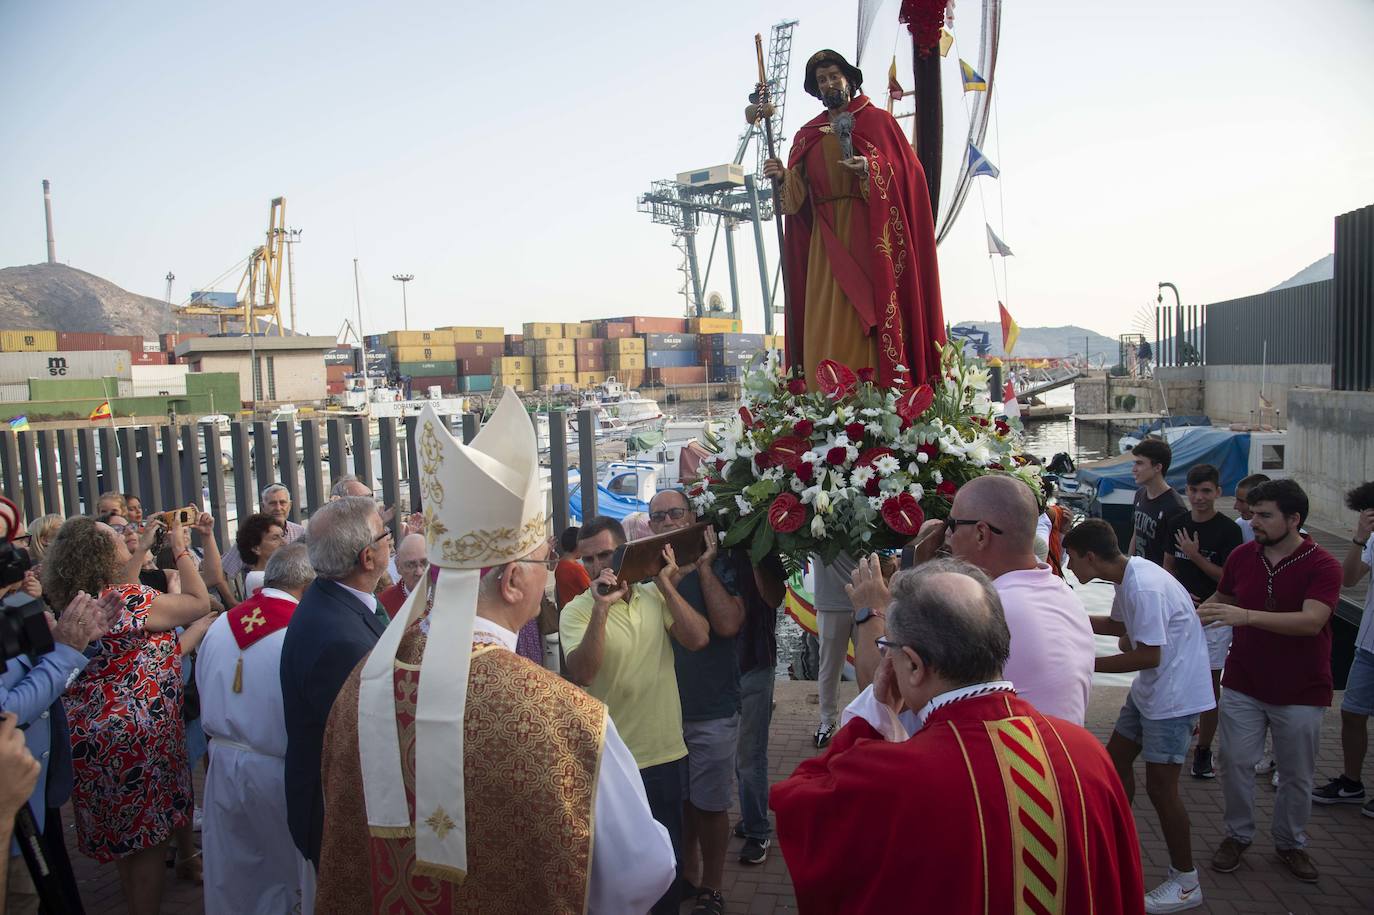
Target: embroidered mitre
483, 507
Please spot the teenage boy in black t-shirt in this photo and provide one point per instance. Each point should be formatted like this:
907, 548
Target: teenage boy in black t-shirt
1156, 503
1200, 542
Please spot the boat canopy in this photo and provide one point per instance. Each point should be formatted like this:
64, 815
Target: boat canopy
1168, 422
1228, 451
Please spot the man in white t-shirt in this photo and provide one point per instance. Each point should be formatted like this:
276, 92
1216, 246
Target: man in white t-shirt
1242, 507
1173, 687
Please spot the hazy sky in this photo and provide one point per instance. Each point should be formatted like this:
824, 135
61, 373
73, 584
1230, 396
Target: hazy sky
496, 151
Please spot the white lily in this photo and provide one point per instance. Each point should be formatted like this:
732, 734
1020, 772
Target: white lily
743, 505
817, 527
822, 501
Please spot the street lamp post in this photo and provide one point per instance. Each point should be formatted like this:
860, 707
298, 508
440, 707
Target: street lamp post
1175, 348
404, 278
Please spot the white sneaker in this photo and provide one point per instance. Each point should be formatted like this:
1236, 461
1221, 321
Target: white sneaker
1173, 896
1265, 765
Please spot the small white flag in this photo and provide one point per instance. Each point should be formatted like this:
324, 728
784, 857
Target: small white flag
996, 245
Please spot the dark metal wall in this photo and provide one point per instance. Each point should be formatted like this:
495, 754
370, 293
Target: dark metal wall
1352, 367
1293, 326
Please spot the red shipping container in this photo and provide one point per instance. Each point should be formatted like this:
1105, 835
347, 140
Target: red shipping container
80, 342
463, 351
589, 347
475, 366
693, 374
420, 384
591, 362
614, 330
336, 372
169, 342
142, 358
133, 344
643, 324
333, 387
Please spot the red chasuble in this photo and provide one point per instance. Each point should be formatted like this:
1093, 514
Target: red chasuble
991, 808
259, 617
895, 286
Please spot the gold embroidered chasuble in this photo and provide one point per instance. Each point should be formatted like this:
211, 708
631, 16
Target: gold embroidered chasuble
532, 750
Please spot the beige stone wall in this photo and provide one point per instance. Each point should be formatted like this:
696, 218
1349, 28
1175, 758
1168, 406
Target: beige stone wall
1331, 448
297, 377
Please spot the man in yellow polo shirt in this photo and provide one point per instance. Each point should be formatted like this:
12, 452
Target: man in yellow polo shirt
618, 649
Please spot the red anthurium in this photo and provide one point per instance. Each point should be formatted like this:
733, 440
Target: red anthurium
855, 431
834, 379
947, 489
787, 513
1002, 427
805, 472
804, 428
869, 456
796, 386
866, 374
915, 402
746, 417
788, 450
837, 455
763, 460
903, 514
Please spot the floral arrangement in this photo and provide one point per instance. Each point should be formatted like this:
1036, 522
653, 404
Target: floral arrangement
844, 465
924, 19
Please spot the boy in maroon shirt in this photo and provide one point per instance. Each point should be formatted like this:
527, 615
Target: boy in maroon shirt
1277, 593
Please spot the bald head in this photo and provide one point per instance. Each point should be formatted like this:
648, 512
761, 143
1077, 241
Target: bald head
411, 559
1004, 502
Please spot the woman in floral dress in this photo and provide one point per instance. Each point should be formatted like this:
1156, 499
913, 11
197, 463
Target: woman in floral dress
132, 785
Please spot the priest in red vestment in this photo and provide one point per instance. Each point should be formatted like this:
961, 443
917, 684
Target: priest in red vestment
863, 287
974, 803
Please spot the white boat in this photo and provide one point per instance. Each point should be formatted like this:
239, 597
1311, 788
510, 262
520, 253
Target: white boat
630, 407
371, 397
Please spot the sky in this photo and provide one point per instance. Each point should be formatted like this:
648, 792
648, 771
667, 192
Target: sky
497, 151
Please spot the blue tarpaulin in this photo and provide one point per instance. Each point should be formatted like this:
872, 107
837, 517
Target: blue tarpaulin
1228, 451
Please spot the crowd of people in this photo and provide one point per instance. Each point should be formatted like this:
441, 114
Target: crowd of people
974, 655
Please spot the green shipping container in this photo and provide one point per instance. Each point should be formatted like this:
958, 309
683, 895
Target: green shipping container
472, 384
427, 369
72, 388
222, 388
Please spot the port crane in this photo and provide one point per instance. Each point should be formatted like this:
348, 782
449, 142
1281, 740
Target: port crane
259, 291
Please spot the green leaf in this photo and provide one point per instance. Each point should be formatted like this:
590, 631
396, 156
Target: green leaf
762, 490
743, 529
762, 545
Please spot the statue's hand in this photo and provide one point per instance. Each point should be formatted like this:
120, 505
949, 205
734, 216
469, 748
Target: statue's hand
773, 168
856, 164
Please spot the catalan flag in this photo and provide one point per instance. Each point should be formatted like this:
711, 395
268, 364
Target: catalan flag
19, 424
894, 88
101, 412
1009, 329
973, 80
979, 165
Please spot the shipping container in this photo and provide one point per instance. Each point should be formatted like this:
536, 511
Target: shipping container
589, 345
14, 392
550, 346
671, 358
420, 385
671, 341
547, 365
650, 325
542, 331
552, 379
375, 341
694, 374
166, 342
591, 362
580, 331
163, 374
68, 341
630, 378
614, 330
128, 343
477, 365
20, 367
399, 338
732, 357
144, 358
774, 341
590, 379
625, 345
714, 325
151, 346
518, 382
28, 341
513, 365
617, 362
427, 367
480, 350
342, 355
337, 372
724, 342
719, 374
333, 387
476, 334
420, 353
474, 384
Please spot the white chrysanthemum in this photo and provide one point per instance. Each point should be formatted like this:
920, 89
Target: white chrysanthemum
873, 428
743, 505
870, 412
813, 456
922, 458
709, 497
887, 464
861, 475
917, 491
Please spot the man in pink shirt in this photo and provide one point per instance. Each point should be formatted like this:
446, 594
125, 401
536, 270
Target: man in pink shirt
991, 524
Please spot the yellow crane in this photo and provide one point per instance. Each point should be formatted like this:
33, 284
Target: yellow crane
259, 290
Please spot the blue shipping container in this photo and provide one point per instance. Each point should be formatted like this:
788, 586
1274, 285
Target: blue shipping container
671, 358
471, 384
671, 342
732, 357
720, 373
719, 342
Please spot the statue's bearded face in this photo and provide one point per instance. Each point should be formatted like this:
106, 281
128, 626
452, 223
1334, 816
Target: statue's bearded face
833, 87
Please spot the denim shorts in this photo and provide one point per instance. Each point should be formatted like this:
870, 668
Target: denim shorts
1162, 740
710, 778
1359, 686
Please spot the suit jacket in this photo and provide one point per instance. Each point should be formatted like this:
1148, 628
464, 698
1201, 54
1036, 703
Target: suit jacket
329, 633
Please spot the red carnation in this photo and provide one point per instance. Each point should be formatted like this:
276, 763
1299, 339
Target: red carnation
837, 455
786, 514
855, 431
866, 374
930, 450
805, 471
746, 417
804, 428
946, 489
903, 514
871, 487
915, 402
870, 456
787, 451
763, 460
835, 380
1002, 427
796, 386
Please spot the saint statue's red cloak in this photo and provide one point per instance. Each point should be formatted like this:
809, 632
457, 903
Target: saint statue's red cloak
895, 287
991, 808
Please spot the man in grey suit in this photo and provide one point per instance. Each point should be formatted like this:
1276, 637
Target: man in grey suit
334, 625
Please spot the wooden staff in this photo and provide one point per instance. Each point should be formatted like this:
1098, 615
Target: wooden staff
765, 111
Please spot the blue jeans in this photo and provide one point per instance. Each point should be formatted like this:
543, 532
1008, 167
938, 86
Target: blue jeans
663, 789
751, 762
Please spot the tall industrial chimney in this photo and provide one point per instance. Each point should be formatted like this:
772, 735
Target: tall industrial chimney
47, 214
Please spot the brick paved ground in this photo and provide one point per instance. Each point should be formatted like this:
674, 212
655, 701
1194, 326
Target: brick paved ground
1342, 839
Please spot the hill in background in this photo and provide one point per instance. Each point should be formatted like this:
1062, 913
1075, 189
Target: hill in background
1036, 342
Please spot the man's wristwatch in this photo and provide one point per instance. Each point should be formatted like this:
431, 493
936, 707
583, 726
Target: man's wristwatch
864, 614
1360, 543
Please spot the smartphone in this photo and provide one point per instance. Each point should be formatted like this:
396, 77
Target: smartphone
183, 516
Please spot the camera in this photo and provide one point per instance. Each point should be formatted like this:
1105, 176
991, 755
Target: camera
14, 562
23, 628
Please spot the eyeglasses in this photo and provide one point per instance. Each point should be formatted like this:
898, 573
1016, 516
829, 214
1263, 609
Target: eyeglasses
676, 514
885, 645
413, 565
952, 523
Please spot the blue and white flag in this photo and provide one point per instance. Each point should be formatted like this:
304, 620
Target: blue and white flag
995, 244
979, 164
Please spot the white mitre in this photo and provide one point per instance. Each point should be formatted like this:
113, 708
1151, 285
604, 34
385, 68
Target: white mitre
483, 507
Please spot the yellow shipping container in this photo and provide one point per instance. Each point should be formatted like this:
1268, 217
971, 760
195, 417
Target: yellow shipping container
476, 334
774, 341
590, 379
617, 362
714, 326
581, 331
630, 378
543, 331
512, 365
625, 345
545, 365
549, 346
522, 383
398, 338
28, 341
436, 353
548, 381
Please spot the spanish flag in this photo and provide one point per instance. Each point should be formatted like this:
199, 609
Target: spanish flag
798, 606
101, 412
1009, 329
973, 80
894, 88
